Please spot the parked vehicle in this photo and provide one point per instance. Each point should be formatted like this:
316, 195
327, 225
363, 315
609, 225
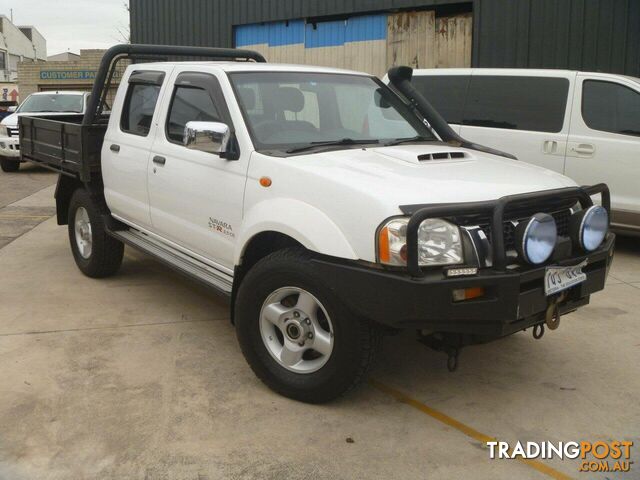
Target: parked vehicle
47, 104
584, 125
327, 208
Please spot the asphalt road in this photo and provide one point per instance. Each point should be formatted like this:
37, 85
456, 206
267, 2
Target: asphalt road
140, 376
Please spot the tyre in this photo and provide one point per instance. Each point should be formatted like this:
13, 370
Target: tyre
97, 254
296, 334
9, 165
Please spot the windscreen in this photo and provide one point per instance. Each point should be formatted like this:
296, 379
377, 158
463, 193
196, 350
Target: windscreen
286, 110
52, 103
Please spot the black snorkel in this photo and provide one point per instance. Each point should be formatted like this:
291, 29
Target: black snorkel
400, 78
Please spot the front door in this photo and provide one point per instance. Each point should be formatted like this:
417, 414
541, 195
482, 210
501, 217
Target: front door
195, 197
604, 141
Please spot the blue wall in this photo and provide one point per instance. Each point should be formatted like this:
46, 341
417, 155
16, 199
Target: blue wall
322, 34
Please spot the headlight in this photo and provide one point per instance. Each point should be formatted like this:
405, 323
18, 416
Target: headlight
589, 227
3, 131
536, 238
439, 243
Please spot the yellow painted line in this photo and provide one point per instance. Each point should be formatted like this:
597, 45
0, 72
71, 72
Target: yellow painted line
461, 427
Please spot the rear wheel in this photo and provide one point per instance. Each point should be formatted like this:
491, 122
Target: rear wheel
296, 335
96, 253
9, 165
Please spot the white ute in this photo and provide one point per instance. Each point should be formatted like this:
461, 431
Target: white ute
328, 207
59, 103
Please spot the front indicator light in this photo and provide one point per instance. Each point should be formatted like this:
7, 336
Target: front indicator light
392, 243
589, 227
536, 238
462, 294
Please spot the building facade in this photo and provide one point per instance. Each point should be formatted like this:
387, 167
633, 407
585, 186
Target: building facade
372, 35
18, 44
78, 73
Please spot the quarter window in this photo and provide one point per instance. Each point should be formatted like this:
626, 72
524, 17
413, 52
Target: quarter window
517, 103
189, 104
138, 109
611, 107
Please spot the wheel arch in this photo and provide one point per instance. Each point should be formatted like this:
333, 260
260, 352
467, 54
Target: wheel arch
257, 247
65, 189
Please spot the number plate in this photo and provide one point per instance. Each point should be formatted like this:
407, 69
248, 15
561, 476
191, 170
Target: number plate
557, 279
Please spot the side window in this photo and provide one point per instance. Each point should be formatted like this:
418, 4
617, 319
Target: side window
517, 103
447, 94
189, 104
139, 105
611, 107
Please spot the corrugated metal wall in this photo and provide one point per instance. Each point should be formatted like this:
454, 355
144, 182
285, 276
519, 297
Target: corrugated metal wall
590, 35
601, 35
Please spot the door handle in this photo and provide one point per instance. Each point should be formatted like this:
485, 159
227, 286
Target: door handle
158, 160
584, 149
114, 148
550, 147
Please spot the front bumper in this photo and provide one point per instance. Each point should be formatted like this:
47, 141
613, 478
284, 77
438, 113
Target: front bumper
10, 147
514, 300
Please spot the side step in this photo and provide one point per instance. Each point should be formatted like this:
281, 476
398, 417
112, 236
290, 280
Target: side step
176, 260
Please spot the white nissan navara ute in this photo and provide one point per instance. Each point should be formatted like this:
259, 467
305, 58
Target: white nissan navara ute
330, 208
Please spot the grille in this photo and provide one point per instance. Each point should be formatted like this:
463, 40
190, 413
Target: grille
561, 217
559, 209
13, 132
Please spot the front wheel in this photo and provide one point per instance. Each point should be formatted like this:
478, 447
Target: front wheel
9, 165
296, 335
96, 254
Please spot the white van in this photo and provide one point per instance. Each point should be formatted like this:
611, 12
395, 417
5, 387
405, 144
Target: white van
584, 125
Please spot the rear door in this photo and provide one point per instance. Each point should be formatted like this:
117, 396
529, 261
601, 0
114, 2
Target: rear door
196, 197
604, 142
127, 145
525, 115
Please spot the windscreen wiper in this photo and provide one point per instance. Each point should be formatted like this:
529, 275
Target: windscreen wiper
344, 141
399, 141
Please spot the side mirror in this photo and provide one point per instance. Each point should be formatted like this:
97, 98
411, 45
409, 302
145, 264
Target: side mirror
12, 108
210, 137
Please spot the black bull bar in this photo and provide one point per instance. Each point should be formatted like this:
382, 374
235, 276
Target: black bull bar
496, 211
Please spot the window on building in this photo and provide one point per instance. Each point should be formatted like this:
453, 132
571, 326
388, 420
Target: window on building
611, 107
447, 94
189, 104
138, 108
3, 61
517, 103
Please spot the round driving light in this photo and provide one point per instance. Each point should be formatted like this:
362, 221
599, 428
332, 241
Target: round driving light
536, 238
589, 227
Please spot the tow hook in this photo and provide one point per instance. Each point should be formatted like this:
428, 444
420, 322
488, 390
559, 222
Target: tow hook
538, 331
449, 344
552, 317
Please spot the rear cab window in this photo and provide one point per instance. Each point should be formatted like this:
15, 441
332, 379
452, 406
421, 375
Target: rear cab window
140, 102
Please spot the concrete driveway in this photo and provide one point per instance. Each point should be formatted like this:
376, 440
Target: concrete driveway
140, 376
